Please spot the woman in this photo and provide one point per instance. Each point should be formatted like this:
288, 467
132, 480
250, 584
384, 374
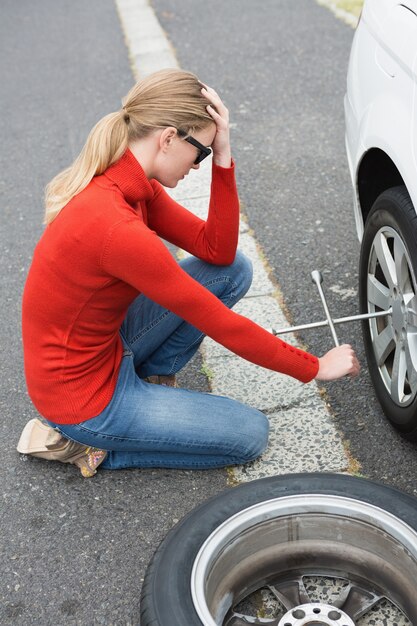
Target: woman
107, 311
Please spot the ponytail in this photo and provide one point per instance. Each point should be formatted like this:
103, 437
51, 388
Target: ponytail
166, 98
105, 145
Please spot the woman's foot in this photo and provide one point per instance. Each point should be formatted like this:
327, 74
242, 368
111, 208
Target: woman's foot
43, 441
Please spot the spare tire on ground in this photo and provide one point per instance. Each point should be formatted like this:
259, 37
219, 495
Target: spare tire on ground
325, 549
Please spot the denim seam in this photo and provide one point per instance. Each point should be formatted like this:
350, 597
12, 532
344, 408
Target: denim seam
149, 327
146, 441
183, 464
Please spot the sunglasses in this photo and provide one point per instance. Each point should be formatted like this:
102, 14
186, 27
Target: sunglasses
203, 151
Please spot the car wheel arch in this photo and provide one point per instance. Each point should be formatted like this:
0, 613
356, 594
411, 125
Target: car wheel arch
376, 173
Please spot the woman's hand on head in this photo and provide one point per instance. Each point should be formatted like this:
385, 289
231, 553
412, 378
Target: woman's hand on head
222, 154
338, 362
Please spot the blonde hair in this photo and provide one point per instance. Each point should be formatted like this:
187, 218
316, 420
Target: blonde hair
166, 98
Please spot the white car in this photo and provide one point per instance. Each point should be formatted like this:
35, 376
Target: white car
381, 143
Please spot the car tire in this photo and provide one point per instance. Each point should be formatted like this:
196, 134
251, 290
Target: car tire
266, 532
388, 267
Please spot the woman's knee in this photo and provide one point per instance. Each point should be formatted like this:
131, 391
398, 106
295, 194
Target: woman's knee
256, 437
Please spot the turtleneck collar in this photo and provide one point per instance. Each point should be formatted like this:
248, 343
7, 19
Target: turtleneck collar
129, 176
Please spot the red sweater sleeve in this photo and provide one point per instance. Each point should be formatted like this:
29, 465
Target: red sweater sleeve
135, 254
214, 240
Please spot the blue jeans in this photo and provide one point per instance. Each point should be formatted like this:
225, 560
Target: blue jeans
148, 425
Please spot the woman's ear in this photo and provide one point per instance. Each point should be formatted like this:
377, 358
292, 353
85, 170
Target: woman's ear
167, 137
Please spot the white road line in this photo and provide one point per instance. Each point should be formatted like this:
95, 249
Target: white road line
343, 15
303, 434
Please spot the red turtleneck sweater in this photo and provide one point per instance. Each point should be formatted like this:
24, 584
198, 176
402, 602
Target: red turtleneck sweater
99, 253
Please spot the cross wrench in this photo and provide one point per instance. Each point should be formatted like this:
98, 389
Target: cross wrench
318, 279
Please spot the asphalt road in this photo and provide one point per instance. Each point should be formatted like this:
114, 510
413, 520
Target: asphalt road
281, 69
74, 551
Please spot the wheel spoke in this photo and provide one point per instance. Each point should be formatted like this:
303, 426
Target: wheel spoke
401, 265
399, 372
411, 370
412, 313
385, 259
290, 593
356, 602
383, 345
238, 619
378, 294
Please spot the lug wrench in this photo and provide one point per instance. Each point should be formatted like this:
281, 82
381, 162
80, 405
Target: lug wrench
318, 279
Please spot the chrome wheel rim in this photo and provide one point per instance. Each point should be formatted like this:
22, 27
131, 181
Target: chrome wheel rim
391, 284
277, 543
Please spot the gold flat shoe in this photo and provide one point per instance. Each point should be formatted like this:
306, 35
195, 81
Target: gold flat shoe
43, 441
